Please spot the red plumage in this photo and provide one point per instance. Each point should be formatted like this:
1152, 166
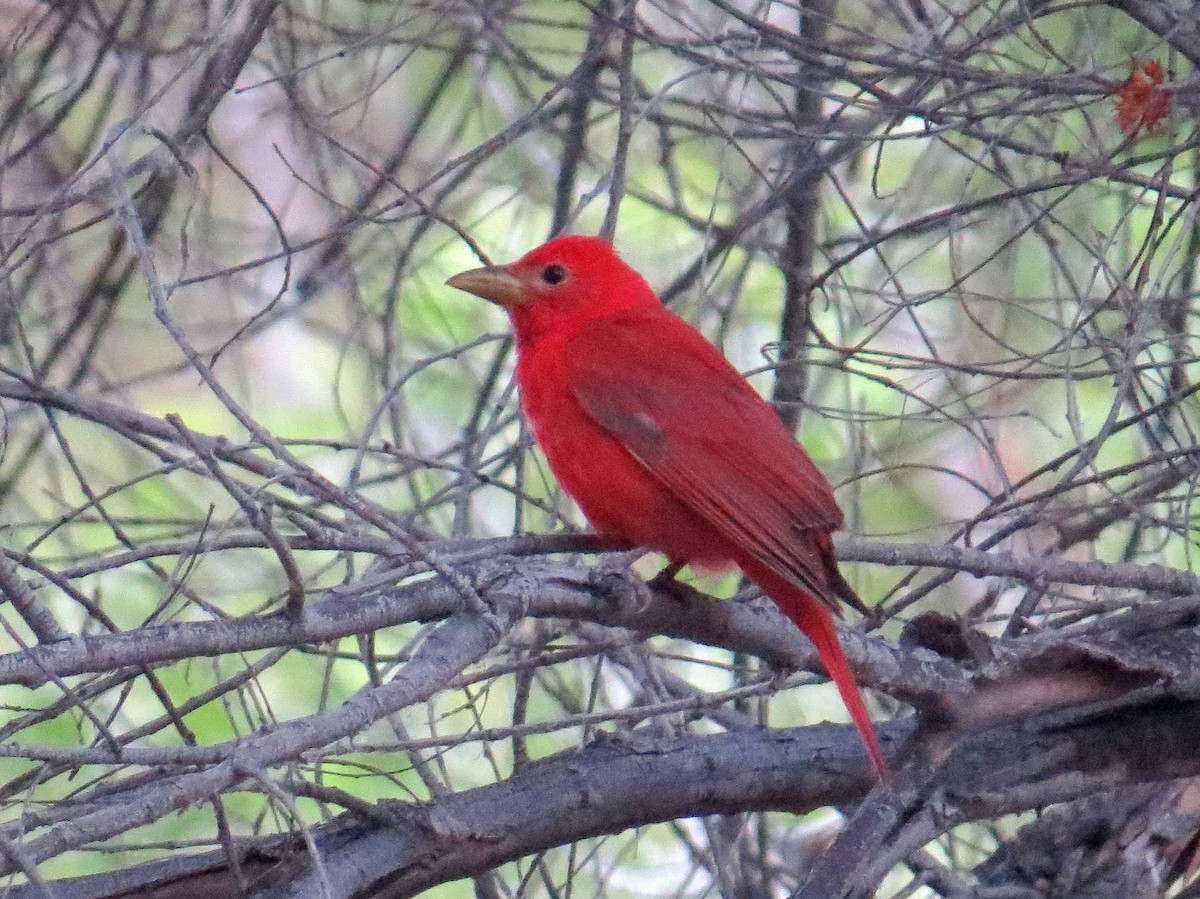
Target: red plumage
661, 441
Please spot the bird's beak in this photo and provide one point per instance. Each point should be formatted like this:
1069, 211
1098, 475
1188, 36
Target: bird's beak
494, 283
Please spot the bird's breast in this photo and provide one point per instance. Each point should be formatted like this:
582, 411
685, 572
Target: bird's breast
616, 493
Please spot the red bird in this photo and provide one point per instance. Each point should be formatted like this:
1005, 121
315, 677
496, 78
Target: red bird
662, 442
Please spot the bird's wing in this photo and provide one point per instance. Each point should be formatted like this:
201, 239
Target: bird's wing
701, 431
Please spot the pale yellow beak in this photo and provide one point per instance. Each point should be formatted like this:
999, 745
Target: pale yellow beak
494, 283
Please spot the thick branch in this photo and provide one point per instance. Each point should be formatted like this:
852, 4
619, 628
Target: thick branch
616, 784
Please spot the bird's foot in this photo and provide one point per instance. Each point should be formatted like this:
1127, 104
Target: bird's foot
664, 581
621, 589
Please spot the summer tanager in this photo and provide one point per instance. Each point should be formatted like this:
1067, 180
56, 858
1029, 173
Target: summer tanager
662, 442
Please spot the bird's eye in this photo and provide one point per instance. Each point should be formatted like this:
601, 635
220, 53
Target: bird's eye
554, 274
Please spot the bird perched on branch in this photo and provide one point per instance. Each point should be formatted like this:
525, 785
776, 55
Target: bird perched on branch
662, 442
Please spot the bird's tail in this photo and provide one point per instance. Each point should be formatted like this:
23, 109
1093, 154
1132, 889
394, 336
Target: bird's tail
815, 620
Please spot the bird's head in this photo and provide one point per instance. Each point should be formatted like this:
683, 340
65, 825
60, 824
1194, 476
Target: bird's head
564, 283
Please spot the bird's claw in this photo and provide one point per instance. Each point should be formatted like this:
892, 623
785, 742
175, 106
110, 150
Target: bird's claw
664, 581
621, 589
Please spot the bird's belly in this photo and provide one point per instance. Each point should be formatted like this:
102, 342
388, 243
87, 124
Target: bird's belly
616, 493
